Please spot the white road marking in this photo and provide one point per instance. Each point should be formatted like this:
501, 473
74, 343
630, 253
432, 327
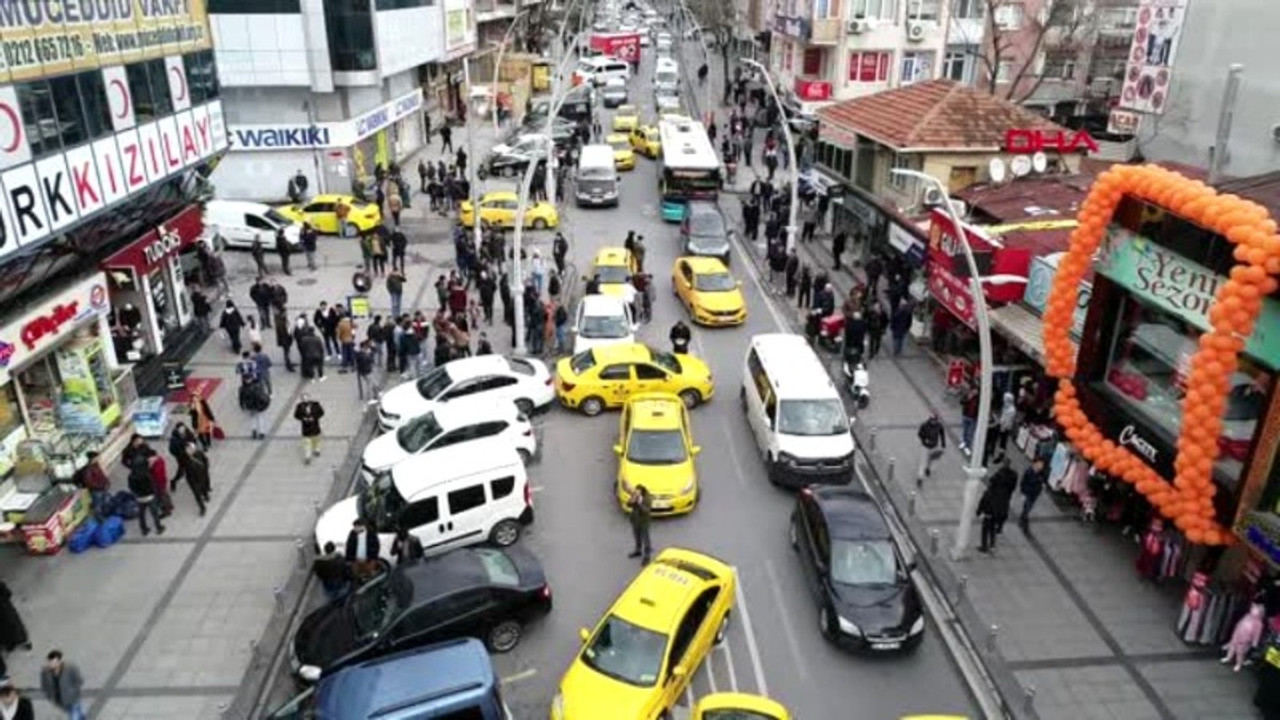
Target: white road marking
688, 694
792, 642
728, 658
761, 285
522, 675
711, 670
733, 454
752, 649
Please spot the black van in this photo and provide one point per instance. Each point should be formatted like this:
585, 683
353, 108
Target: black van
577, 106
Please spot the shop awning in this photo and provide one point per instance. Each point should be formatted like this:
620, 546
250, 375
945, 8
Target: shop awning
1021, 327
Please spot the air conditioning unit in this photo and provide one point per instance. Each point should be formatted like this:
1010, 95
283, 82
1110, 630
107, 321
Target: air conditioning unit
933, 198
857, 27
915, 30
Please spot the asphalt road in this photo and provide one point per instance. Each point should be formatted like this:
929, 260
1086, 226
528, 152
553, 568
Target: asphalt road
774, 644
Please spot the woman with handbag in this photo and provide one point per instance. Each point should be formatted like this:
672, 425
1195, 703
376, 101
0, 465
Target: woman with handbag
202, 420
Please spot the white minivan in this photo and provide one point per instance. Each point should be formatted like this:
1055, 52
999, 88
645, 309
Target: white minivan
597, 70
596, 182
796, 413
602, 320
238, 222
666, 76
481, 495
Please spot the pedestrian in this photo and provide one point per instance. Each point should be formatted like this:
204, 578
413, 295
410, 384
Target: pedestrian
559, 252
199, 476
297, 188
283, 249
805, 287
399, 246
933, 442
13, 706
993, 507
252, 333
968, 418
254, 399
179, 438
777, 256
263, 365
874, 269
62, 684
446, 139
259, 252
13, 632
378, 253
424, 173
838, 242
680, 337
410, 351
202, 421
639, 511
308, 413
310, 351
483, 346
308, 238
1031, 485
246, 368
284, 336
201, 308
638, 252
231, 323
1006, 421
810, 223
362, 551
332, 571
260, 295
406, 548
899, 326
395, 205
460, 162
142, 485
877, 324
538, 271
345, 332
160, 481
395, 289
855, 336
325, 320
364, 371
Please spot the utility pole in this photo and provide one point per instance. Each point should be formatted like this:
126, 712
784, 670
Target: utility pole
1226, 115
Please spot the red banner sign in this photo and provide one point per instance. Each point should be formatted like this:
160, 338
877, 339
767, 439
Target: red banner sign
1027, 142
161, 242
952, 292
813, 90
624, 46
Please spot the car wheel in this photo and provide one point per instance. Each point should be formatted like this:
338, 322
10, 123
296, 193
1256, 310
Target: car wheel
508, 172
592, 406
723, 629
791, 534
504, 636
691, 398
505, 533
742, 397
525, 406
824, 622
539, 224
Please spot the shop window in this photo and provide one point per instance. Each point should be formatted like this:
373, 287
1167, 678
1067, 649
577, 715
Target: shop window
916, 67
870, 66
149, 86
812, 61
350, 29
39, 118
1184, 238
93, 96
255, 7
10, 411
202, 76
1147, 368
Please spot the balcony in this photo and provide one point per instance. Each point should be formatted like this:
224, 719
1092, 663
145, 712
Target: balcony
827, 31
796, 28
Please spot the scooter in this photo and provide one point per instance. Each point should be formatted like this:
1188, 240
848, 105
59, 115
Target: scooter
858, 380
831, 332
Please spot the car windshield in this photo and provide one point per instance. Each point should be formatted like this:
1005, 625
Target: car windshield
376, 605
706, 223
380, 503
626, 110
433, 383
520, 366
812, 417
582, 362
604, 327
708, 243
277, 218
863, 562
714, 282
620, 144
498, 567
613, 274
415, 434
666, 361
657, 447
626, 652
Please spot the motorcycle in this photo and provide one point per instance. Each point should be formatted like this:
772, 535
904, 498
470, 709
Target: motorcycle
831, 332
858, 381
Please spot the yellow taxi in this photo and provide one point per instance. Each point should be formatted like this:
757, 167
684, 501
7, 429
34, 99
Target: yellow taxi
626, 118
321, 212
655, 449
705, 287
638, 661
498, 208
738, 706
624, 158
614, 266
604, 377
646, 140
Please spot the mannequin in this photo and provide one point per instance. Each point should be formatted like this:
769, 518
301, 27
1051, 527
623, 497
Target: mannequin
1148, 563
1245, 637
1193, 608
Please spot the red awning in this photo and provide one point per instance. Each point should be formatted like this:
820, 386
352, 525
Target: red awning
164, 240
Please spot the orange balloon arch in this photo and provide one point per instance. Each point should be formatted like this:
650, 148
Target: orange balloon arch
1249, 227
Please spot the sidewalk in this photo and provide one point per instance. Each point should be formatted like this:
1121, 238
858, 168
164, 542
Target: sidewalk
1080, 634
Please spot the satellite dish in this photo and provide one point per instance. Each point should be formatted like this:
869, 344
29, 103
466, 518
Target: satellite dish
996, 170
1020, 166
1039, 162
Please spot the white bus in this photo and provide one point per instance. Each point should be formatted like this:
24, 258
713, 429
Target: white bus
690, 168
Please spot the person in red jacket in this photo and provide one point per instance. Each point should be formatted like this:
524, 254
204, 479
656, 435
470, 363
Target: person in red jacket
160, 480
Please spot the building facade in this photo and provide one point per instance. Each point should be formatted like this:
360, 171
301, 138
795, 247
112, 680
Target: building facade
328, 88
113, 120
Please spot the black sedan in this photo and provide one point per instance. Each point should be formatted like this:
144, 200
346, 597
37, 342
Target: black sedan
866, 599
703, 231
563, 132
485, 593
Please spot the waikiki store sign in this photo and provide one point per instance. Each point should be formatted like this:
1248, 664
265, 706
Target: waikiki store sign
1182, 288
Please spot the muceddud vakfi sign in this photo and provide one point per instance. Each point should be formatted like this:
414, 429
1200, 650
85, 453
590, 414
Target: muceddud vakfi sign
324, 135
1181, 287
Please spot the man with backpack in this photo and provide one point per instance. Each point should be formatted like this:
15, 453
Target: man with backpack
933, 441
142, 485
254, 399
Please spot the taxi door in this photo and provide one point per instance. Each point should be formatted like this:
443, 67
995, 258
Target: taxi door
683, 282
651, 378
615, 382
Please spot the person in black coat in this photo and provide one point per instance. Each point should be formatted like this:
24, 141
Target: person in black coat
143, 488
877, 323
198, 475
310, 352
899, 326
993, 508
13, 632
232, 323
363, 550
751, 218
874, 269
805, 288
680, 337
13, 706
837, 246
178, 441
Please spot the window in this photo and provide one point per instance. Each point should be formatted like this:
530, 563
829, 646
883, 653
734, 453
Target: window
93, 96
869, 66
350, 29
649, 372
502, 487
1058, 64
466, 499
616, 372
968, 9
874, 10
1009, 16
824, 9
150, 97
39, 118
916, 67
758, 376
903, 162
255, 7
10, 411
923, 9
422, 512
202, 76
1004, 71
812, 61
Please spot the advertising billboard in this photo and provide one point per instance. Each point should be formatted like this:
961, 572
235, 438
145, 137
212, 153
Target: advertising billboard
1150, 66
624, 46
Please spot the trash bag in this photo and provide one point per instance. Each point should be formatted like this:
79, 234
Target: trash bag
82, 538
124, 505
109, 532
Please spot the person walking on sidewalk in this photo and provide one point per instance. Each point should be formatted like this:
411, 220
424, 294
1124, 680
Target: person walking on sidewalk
838, 243
62, 683
751, 218
307, 235
308, 413
13, 632
284, 336
179, 439
899, 326
395, 204
198, 476
142, 485
13, 706
874, 269
446, 138
639, 512
933, 442
1031, 485
399, 247
968, 418
805, 288
201, 308
345, 331
810, 226
260, 294
362, 551
232, 323
283, 250
395, 289
1006, 420
332, 571
791, 273
254, 399
364, 371
993, 508
424, 173
310, 351
259, 252
325, 321
877, 323
202, 421
262, 364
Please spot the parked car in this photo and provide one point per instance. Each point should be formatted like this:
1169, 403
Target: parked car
523, 381
234, 224
450, 425
511, 160
704, 232
486, 593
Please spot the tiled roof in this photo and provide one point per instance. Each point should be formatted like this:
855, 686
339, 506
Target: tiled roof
938, 114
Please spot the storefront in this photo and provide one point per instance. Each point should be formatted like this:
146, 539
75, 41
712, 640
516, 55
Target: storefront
346, 152
59, 380
150, 302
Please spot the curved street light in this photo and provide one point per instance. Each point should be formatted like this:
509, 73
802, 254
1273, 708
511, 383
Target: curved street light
708, 115
974, 470
497, 67
791, 151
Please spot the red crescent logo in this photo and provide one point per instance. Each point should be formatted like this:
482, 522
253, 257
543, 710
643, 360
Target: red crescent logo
124, 98
14, 123
182, 83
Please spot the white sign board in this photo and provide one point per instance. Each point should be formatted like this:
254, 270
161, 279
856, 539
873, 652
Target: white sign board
302, 136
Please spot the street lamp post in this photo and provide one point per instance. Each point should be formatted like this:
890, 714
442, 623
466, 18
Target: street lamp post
706, 59
974, 471
791, 152
473, 167
556, 83
497, 67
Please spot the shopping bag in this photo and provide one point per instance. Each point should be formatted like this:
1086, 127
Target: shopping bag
219, 433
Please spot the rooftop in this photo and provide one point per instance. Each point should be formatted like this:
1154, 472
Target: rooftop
936, 115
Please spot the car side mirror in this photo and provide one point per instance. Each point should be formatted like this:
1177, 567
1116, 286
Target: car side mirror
584, 633
617, 449
696, 449
635, 327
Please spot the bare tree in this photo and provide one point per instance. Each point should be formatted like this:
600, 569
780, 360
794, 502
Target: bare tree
1060, 26
717, 19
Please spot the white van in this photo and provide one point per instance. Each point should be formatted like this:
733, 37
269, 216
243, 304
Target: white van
596, 70
238, 222
602, 320
666, 76
596, 182
796, 413
482, 495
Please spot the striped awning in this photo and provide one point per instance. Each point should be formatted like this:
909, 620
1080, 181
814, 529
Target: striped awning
1021, 327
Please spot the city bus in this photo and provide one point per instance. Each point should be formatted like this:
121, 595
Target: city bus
689, 170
